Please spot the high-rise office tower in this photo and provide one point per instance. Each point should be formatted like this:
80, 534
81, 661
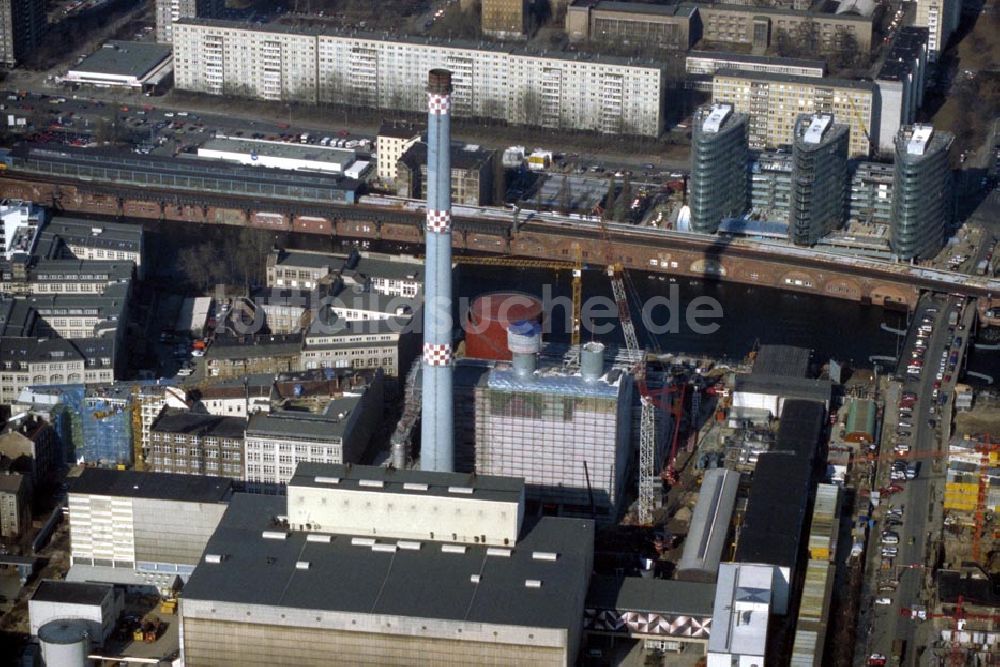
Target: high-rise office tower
718, 166
22, 23
819, 178
921, 191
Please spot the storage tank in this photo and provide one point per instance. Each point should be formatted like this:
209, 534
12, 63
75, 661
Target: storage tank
491, 315
592, 361
65, 643
525, 342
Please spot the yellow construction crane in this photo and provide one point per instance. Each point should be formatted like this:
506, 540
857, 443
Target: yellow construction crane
861, 123
576, 267
138, 459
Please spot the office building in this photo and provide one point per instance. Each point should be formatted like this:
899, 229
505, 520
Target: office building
22, 24
901, 81
381, 273
761, 27
99, 605
773, 103
169, 11
333, 428
941, 18
668, 26
332, 342
472, 170
555, 90
236, 356
566, 431
426, 567
718, 167
921, 194
141, 528
504, 19
819, 178
189, 443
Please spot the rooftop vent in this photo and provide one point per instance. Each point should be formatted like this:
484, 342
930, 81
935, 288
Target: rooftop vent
362, 541
460, 489
274, 535
214, 558
474, 578
302, 565
414, 486
545, 555
313, 537
532, 583
496, 551
384, 548
371, 483
320, 479
408, 545
453, 549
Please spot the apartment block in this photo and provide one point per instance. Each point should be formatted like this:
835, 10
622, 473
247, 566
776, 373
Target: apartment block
189, 443
819, 178
773, 102
670, 26
941, 18
22, 23
169, 11
718, 166
504, 19
391, 142
921, 195
558, 90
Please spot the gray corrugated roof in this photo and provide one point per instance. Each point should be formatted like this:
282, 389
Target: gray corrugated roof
663, 596
501, 489
423, 583
161, 485
710, 521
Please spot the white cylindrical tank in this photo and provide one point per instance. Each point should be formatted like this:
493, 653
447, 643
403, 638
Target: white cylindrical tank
592, 361
65, 643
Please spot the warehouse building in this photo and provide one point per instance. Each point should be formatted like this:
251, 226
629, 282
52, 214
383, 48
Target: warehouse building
775, 101
553, 90
136, 66
566, 431
922, 203
861, 416
99, 605
818, 199
709, 532
439, 568
718, 167
141, 528
278, 154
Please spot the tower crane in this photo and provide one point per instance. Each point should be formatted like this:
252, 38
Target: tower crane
959, 616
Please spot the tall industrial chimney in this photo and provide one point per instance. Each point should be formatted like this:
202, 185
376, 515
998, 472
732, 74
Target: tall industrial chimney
437, 430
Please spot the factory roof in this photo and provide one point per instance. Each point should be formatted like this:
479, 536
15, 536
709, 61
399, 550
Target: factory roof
800, 427
789, 78
709, 525
125, 58
469, 584
341, 157
416, 482
443, 44
71, 592
658, 596
739, 621
787, 387
779, 495
326, 426
158, 485
782, 360
462, 157
180, 421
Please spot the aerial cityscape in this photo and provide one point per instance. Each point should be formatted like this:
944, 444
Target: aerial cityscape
500, 332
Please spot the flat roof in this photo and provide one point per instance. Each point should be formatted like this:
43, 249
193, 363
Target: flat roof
180, 421
125, 58
422, 582
159, 485
787, 387
280, 149
817, 128
729, 56
716, 117
328, 425
782, 360
684, 10
800, 427
789, 78
919, 139
658, 596
776, 512
71, 592
415, 482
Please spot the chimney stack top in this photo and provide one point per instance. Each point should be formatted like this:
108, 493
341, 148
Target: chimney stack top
439, 82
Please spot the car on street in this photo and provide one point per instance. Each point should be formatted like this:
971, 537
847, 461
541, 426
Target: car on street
883, 601
890, 537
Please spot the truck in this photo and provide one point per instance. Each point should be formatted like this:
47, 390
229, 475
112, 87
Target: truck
953, 318
540, 160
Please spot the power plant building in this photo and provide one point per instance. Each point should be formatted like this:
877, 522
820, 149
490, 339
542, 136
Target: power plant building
566, 431
288, 63
819, 178
718, 167
431, 567
921, 193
